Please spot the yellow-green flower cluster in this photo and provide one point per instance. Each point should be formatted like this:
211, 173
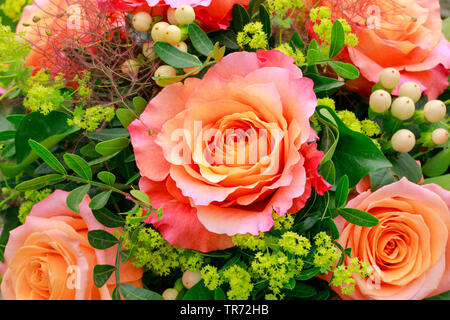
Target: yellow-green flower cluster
253, 35
33, 197
90, 119
326, 253
343, 275
294, 243
366, 127
211, 277
13, 8
323, 24
44, 99
240, 283
281, 8
157, 255
295, 53
248, 241
285, 222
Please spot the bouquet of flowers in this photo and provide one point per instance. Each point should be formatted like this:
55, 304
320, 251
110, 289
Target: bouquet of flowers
224, 150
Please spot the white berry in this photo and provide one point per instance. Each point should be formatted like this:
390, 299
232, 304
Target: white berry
403, 108
172, 35
130, 67
403, 141
390, 78
171, 16
434, 111
170, 294
165, 71
159, 31
142, 21
439, 136
190, 279
148, 51
182, 46
380, 101
410, 89
185, 14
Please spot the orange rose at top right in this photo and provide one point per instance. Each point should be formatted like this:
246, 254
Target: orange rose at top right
402, 34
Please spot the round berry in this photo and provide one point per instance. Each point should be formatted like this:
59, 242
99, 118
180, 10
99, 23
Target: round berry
159, 30
190, 279
403, 108
434, 111
185, 14
170, 294
380, 101
171, 16
403, 141
172, 35
439, 136
130, 67
165, 71
390, 78
148, 51
142, 21
182, 46
411, 90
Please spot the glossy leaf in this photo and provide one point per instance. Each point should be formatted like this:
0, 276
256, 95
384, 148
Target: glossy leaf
341, 194
100, 239
345, 70
76, 197
437, 165
40, 182
47, 156
174, 57
102, 273
337, 39
358, 217
200, 40
78, 165
108, 219
100, 200
113, 146
131, 292
107, 177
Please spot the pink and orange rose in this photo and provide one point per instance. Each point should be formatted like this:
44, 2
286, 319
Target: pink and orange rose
50, 258
409, 250
403, 34
220, 154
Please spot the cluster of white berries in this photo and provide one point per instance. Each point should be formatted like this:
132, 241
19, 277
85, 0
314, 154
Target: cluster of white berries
189, 280
171, 32
403, 108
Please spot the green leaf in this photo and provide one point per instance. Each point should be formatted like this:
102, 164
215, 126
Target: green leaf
219, 295
174, 57
306, 224
140, 104
199, 292
10, 222
102, 272
47, 156
265, 20
345, 70
443, 181
40, 182
253, 6
7, 135
100, 200
200, 40
78, 165
76, 197
107, 148
406, 166
337, 39
116, 294
341, 192
107, 177
328, 172
89, 150
240, 18
437, 165
380, 178
303, 291
131, 292
358, 217
297, 41
308, 274
141, 196
108, 134
442, 296
108, 219
446, 28
100, 239
125, 116
312, 57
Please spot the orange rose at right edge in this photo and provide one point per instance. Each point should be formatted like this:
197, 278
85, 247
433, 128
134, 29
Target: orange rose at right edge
408, 250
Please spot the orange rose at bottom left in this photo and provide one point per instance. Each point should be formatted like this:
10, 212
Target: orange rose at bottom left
49, 257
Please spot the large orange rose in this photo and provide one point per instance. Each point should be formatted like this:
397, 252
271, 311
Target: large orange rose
409, 249
50, 258
403, 34
220, 154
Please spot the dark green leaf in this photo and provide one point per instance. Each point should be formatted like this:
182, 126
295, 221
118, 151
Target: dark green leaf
199, 292
328, 172
107, 177
345, 70
442, 296
100, 239
11, 221
131, 292
265, 20
406, 166
40, 182
303, 291
108, 219
306, 224
76, 197
7, 135
116, 294
100, 200
108, 134
341, 192
240, 18
358, 217
308, 274
438, 164
253, 6
78, 165
47, 156
174, 57
102, 273
200, 40
111, 147
337, 39
140, 104
297, 41
380, 178
219, 295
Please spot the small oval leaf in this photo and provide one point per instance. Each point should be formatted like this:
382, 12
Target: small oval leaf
78, 165
102, 273
113, 146
47, 156
358, 217
100, 200
100, 239
76, 197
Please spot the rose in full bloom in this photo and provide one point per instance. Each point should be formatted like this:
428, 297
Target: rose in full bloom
403, 34
49, 257
408, 250
220, 154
